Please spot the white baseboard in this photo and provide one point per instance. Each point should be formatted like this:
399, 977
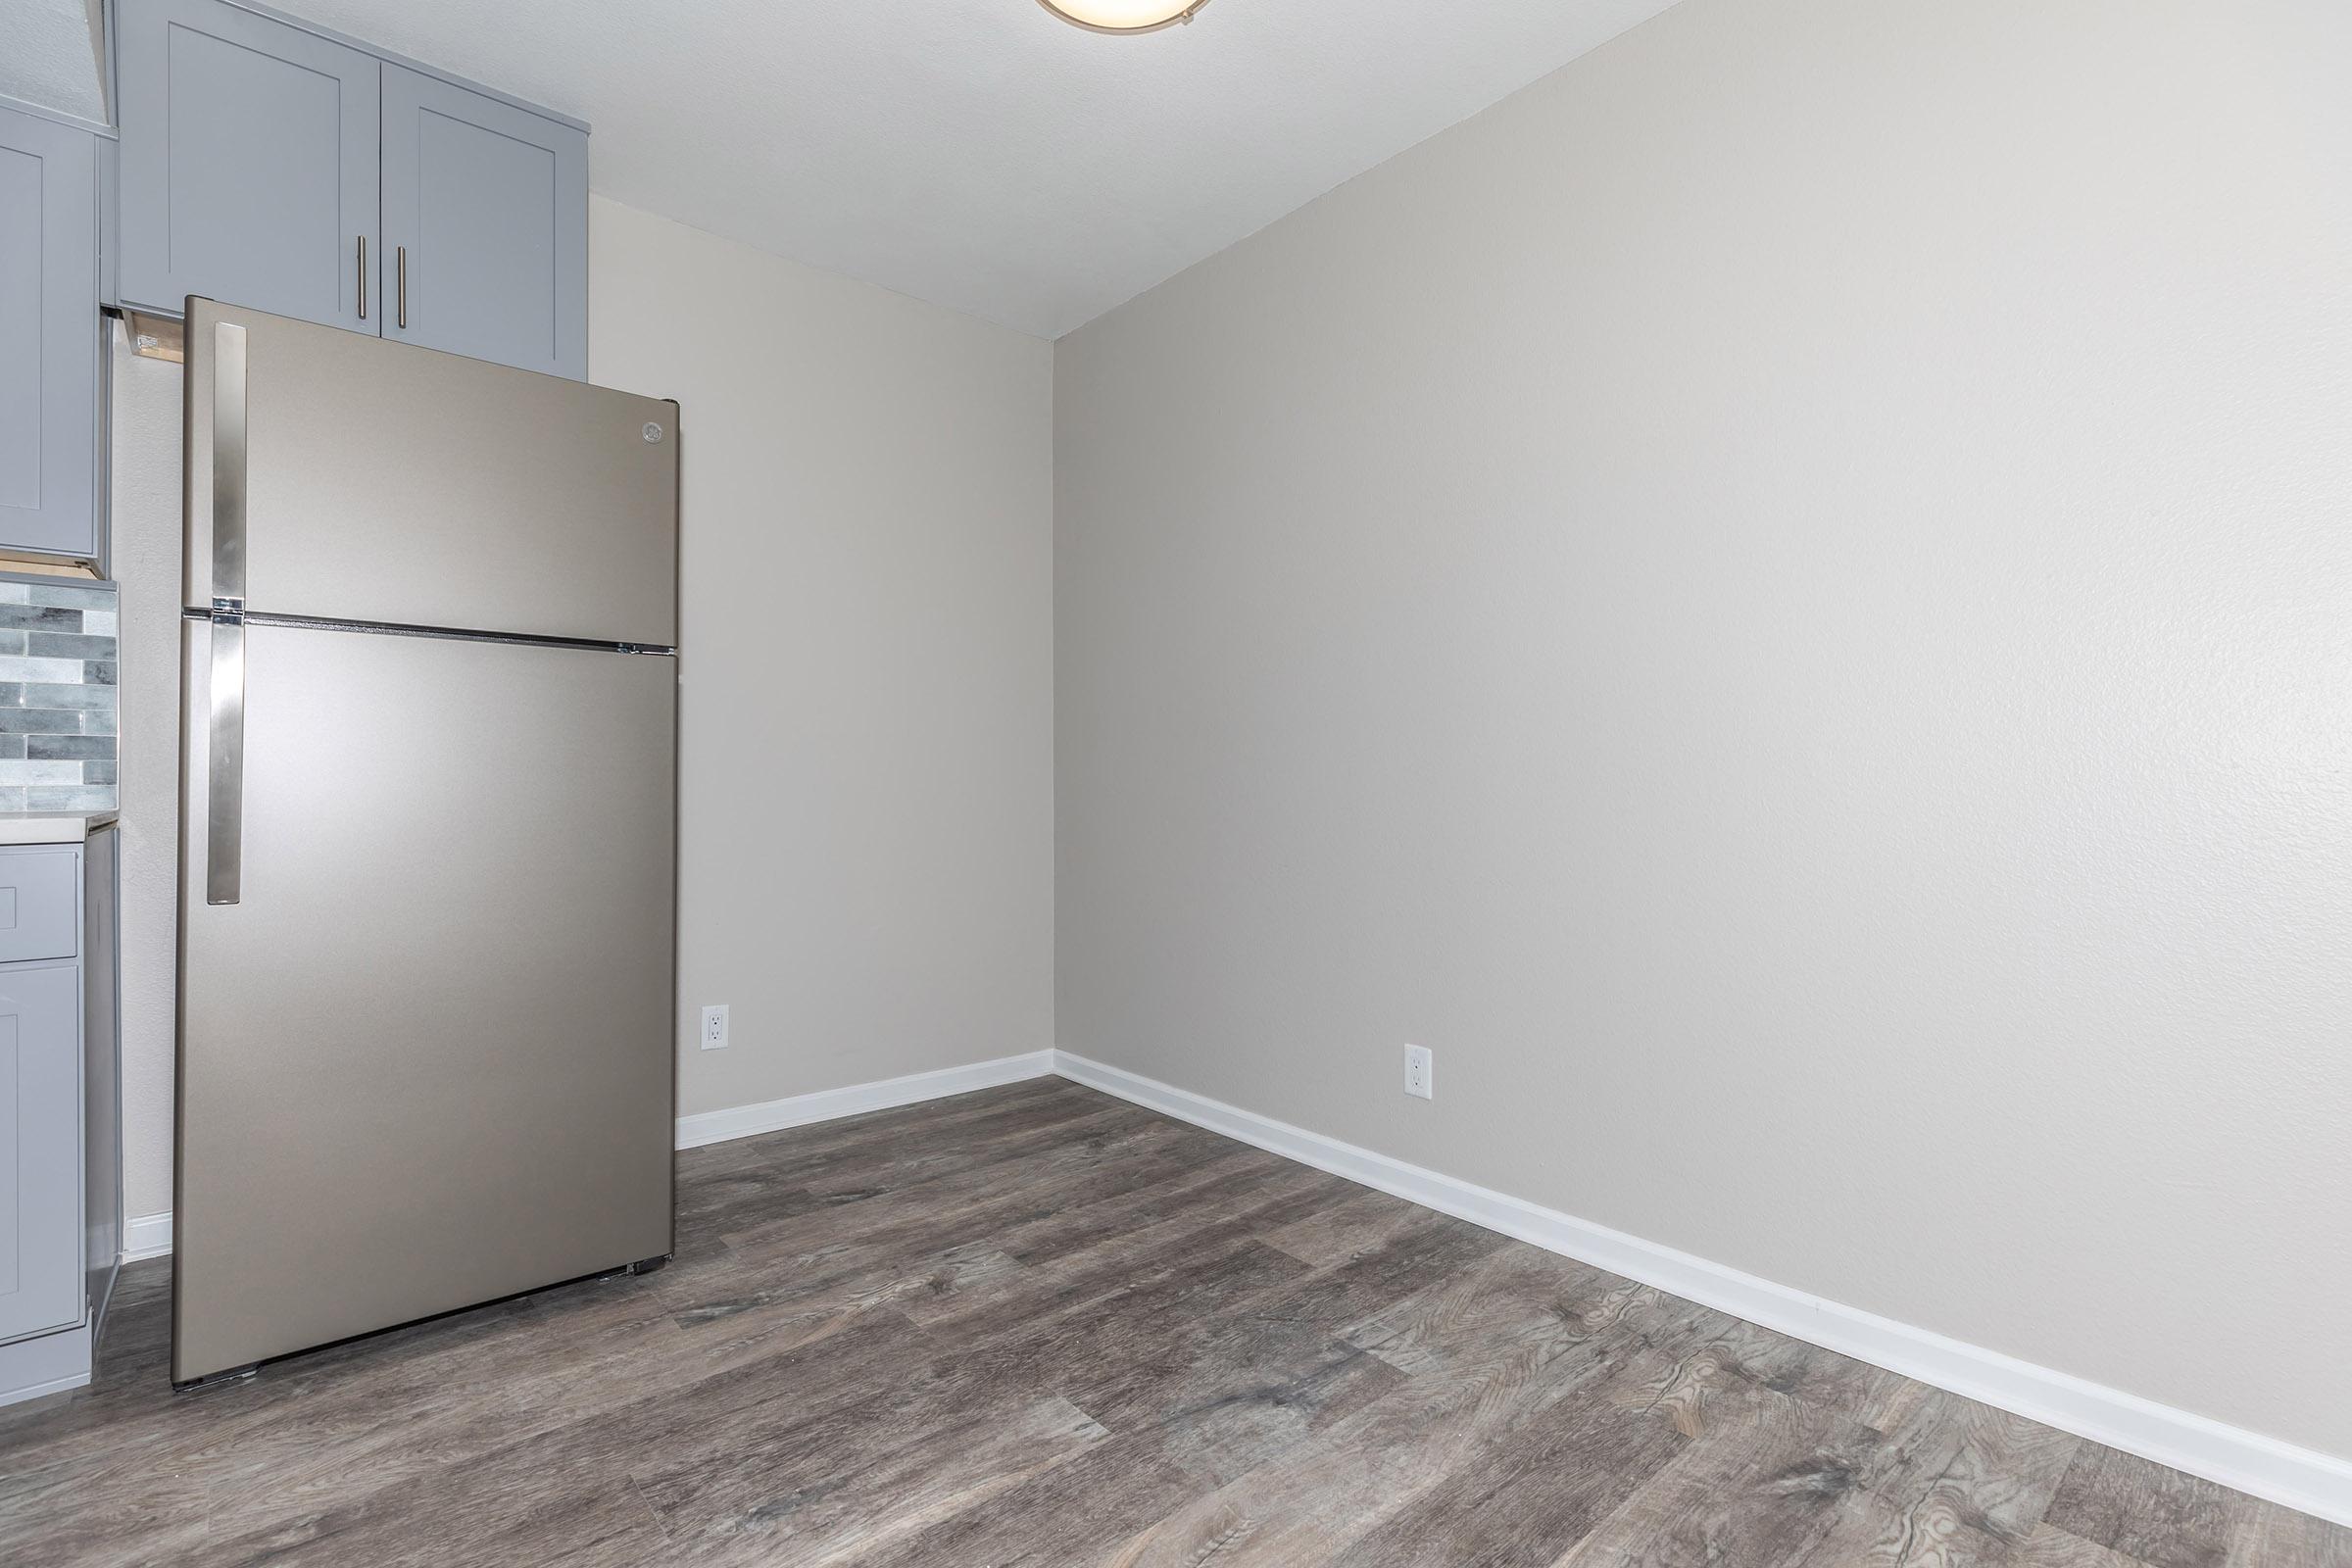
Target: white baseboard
828, 1105
2298, 1478
146, 1235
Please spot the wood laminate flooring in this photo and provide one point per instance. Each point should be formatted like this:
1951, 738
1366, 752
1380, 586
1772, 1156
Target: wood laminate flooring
1036, 1325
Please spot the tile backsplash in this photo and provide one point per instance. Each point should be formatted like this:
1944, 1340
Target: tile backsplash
58, 713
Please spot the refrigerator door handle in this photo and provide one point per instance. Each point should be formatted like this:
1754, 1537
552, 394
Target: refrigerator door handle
224, 765
224, 757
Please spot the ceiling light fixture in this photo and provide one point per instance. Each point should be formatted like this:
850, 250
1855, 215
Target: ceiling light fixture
1123, 16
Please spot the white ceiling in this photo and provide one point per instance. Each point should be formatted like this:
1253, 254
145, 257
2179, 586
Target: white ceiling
977, 153
980, 153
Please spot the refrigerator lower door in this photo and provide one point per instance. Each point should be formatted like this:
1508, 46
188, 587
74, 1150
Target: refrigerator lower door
426, 1057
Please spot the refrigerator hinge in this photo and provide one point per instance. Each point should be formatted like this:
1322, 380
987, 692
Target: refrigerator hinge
228, 611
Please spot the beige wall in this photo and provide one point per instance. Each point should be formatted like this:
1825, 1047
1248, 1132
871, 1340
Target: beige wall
865, 765
1782, 600
145, 502
866, 748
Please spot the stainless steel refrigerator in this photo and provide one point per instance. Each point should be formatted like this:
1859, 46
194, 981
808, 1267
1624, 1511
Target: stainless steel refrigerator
429, 699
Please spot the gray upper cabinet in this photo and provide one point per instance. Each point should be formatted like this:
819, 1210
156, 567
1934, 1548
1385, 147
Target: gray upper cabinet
48, 335
249, 163
269, 165
485, 226
41, 1274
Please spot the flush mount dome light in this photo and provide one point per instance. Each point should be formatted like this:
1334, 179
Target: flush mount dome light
1124, 16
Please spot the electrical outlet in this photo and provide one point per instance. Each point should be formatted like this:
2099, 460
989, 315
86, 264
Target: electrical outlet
715, 1027
1419, 1072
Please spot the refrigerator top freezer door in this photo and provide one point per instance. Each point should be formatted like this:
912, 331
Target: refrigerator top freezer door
376, 481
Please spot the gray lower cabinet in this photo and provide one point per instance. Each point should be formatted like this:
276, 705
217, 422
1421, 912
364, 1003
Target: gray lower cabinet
485, 226
249, 163
271, 165
58, 1117
41, 1280
49, 339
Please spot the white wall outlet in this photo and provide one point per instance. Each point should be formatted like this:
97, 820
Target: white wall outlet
1419, 1073
715, 1027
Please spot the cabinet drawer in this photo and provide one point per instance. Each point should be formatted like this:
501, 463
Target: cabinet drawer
37, 907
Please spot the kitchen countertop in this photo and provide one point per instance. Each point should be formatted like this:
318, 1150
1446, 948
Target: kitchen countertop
51, 828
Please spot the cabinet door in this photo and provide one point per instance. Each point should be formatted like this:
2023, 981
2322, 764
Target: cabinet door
48, 335
485, 226
249, 163
40, 1151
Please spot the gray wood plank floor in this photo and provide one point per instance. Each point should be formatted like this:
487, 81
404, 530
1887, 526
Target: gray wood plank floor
1038, 1326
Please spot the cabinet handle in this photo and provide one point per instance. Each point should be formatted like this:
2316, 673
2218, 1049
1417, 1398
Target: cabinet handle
362, 278
399, 259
